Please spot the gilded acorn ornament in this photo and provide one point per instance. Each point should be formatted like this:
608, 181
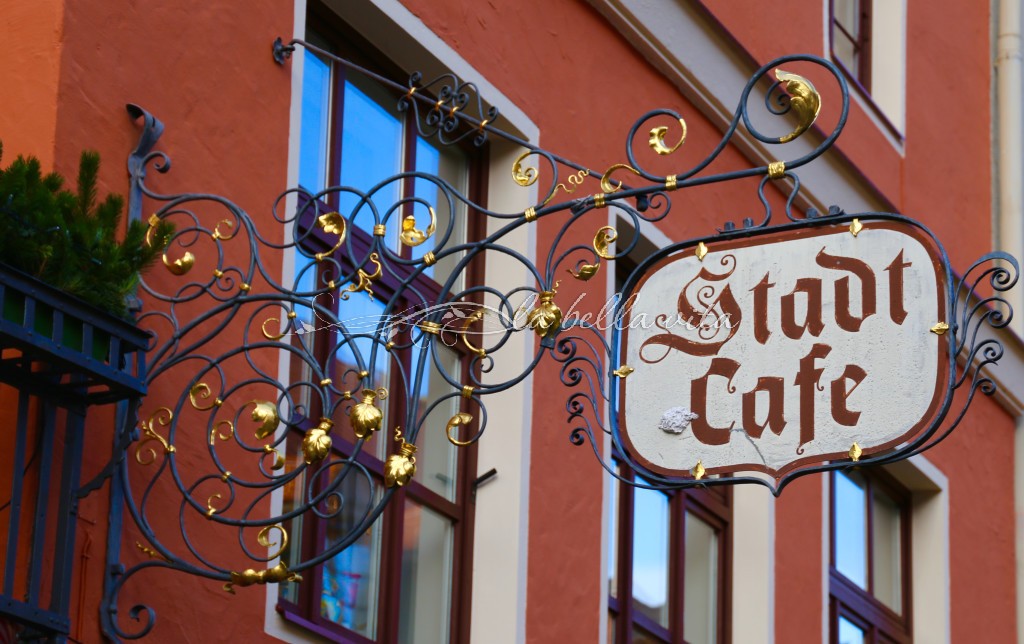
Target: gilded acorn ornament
400, 467
366, 417
316, 445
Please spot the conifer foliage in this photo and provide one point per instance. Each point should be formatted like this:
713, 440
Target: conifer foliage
69, 239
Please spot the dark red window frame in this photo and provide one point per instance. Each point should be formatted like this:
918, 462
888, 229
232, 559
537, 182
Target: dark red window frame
860, 78
713, 506
861, 42
881, 625
306, 610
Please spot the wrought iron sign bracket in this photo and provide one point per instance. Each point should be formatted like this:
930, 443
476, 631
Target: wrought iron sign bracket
223, 319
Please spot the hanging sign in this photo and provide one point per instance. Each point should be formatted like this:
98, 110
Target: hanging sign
775, 351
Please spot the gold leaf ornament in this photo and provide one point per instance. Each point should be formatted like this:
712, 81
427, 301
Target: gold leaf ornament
524, 176
606, 178
250, 577
316, 444
181, 265
602, 240
584, 271
657, 140
856, 227
332, 223
855, 452
161, 416
265, 413
365, 416
545, 318
263, 538
477, 316
624, 371
804, 101
413, 236
698, 471
400, 468
366, 280
460, 419
202, 391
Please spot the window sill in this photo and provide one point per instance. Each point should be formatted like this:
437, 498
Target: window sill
291, 614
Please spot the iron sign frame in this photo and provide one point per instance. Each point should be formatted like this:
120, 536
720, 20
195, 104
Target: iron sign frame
246, 294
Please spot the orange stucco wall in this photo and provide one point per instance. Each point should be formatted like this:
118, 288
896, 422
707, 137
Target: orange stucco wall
943, 178
28, 122
204, 68
589, 124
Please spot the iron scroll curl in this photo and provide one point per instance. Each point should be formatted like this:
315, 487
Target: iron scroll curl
219, 443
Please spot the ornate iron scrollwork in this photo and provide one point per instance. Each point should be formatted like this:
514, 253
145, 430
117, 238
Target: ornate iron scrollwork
225, 310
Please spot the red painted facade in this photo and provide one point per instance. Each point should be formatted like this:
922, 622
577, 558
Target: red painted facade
205, 69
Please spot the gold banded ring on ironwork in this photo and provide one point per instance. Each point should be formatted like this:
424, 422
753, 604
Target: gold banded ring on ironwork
530, 214
430, 327
380, 230
429, 259
670, 182
776, 169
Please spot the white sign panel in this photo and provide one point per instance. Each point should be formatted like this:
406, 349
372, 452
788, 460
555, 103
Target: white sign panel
777, 351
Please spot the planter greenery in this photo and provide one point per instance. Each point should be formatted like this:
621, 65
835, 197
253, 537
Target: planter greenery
69, 239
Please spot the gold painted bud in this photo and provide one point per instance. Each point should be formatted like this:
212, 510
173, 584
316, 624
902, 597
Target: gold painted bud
317, 443
546, 318
365, 416
400, 467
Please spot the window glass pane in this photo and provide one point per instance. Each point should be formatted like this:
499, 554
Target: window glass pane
449, 163
426, 576
436, 456
847, 14
351, 579
613, 537
700, 590
849, 521
316, 112
371, 143
845, 51
849, 633
360, 316
887, 558
651, 554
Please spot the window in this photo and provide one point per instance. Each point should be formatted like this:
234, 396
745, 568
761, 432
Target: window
668, 551
869, 41
404, 575
869, 579
851, 38
667, 565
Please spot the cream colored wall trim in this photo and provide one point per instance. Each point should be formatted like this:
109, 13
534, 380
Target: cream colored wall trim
889, 50
1009, 144
406, 40
679, 42
500, 540
753, 565
930, 577
500, 544
273, 624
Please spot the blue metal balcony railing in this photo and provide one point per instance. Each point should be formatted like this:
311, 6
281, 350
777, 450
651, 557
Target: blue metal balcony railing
57, 357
